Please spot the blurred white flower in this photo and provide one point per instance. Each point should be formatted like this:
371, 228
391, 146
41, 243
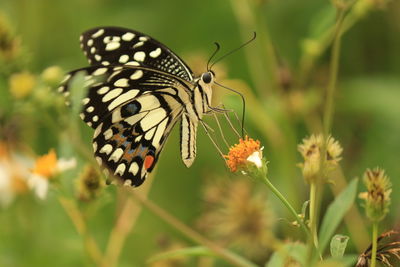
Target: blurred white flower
46, 167
256, 158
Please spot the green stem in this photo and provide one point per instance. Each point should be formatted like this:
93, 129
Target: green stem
274, 190
314, 210
229, 256
334, 68
374, 243
313, 213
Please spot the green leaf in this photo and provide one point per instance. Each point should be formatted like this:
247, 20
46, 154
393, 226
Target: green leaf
346, 261
296, 251
338, 245
304, 208
335, 213
190, 251
77, 92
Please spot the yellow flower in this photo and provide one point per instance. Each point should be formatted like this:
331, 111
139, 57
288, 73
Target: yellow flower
377, 197
46, 165
311, 149
21, 84
247, 152
52, 75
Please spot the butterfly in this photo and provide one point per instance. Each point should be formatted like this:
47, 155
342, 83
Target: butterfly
137, 90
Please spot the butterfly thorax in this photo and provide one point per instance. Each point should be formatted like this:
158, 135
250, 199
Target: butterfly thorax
202, 93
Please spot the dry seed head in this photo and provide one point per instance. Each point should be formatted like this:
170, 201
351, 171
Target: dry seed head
377, 197
311, 149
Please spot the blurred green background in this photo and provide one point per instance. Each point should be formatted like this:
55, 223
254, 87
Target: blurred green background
286, 68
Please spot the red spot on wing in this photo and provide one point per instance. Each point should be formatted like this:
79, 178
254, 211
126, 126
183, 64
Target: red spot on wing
148, 161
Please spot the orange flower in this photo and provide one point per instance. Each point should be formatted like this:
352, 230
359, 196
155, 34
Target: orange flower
46, 165
240, 155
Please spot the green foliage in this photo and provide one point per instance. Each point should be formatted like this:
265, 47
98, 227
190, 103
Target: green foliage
283, 76
335, 213
338, 245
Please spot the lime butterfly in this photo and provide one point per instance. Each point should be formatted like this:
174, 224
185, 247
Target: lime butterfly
137, 90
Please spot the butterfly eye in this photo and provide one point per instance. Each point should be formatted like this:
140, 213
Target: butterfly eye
206, 77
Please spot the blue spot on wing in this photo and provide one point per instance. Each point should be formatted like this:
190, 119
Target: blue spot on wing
130, 109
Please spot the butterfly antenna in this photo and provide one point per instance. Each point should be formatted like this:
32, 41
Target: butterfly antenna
213, 54
243, 104
234, 50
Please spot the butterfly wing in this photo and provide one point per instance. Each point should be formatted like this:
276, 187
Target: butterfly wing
132, 110
129, 144
114, 45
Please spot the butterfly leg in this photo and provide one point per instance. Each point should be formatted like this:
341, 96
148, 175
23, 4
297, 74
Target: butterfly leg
206, 127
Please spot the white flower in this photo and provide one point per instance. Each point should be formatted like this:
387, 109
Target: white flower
6, 192
39, 184
46, 167
256, 158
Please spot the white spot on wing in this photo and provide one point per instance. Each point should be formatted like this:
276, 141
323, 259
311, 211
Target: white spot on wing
112, 94
90, 109
138, 44
98, 33
103, 90
128, 36
120, 169
134, 168
116, 116
155, 53
128, 183
90, 42
116, 155
152, 118
133, 63
148, 102
95, 118
137, 75
123, 98
123, 59
106, 149
99, 161
85, 100
150, 134
108, 134
139, 56
112, 46
99, 71
123, 82
98, 130
159, 133
97, 57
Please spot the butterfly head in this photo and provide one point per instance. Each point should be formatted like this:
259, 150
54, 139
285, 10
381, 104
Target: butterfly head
207, 78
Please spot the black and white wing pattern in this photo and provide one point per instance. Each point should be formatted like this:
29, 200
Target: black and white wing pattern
114, 45
137, 89
132, 110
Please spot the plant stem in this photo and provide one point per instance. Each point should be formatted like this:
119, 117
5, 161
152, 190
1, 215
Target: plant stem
76, 217
124, 225
274, 190
374, 243
229, 256
313, 213
314, 209
334, 68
